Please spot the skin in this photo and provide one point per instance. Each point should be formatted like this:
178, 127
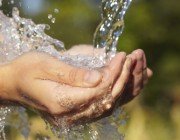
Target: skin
132, 75
41, 81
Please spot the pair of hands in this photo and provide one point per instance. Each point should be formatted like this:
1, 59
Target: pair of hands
41, 81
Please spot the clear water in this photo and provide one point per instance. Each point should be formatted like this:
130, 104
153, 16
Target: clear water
111, 27
14, 117
3, 114
50, 16
23, 35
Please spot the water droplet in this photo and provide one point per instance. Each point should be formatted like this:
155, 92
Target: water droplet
12, 1
48, 27
50, 16
56, 11
53, 20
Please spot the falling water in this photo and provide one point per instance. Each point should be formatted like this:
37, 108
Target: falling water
22, 35
107, 33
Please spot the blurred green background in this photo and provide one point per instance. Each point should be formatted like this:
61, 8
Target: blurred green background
152, 25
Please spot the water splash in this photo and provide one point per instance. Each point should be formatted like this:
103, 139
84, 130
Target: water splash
56, 11
4, 111
50, 16
14, 117
23, 35
18, 119
107, 33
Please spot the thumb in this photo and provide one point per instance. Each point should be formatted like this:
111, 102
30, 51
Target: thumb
67, 74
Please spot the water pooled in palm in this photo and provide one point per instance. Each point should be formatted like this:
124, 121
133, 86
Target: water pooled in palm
107, 33
20, 35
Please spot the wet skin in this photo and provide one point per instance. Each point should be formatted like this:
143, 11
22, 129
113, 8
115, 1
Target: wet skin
132, 75
41, 81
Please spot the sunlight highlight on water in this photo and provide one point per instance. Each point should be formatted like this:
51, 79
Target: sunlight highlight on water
111, 27
22, 35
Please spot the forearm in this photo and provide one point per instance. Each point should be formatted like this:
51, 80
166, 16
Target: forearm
6, 85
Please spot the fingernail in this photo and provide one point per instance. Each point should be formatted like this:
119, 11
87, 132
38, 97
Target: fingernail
128, 63
92, 77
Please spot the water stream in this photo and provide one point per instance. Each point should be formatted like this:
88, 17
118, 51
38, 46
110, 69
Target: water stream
22, 35
111, 27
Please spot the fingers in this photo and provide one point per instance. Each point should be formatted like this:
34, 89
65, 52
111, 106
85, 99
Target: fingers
123, 79
149, 73
138, 77
84, 49
61, 98
63, 73
134, 83
145, 76
141, 73
138, 72
45, 67
116, 65
82, 78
